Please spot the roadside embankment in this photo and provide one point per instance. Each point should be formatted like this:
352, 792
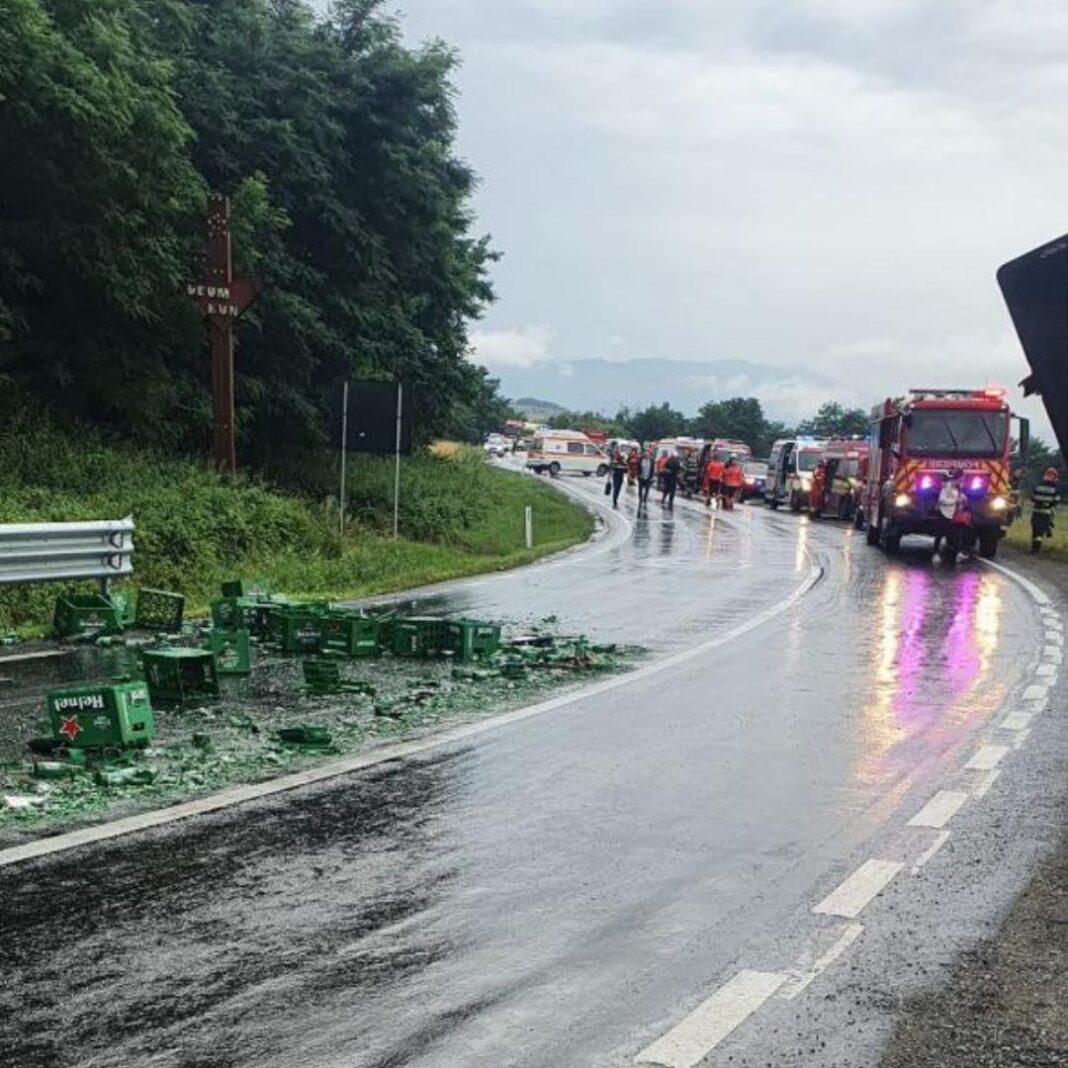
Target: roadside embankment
1005, 1002
458, 516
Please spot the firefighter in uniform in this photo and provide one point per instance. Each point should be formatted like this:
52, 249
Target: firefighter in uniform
1044, 500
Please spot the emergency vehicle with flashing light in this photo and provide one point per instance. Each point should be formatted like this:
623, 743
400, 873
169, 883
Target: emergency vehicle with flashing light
926, 437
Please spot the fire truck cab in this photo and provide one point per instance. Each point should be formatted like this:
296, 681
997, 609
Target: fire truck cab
926, 437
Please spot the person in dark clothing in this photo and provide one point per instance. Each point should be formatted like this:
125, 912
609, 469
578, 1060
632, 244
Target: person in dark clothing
618, 474
1044, 500
669, 481
646, 474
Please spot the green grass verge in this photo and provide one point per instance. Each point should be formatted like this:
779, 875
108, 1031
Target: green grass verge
458, 517
1055, 548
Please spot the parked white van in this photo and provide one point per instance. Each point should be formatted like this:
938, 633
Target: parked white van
566, 452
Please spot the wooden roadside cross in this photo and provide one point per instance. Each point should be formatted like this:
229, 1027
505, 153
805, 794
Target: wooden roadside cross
222, 299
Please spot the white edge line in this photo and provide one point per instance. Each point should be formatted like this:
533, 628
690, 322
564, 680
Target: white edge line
803, 979
1036, 592
940, 840
693, 1038
241, 794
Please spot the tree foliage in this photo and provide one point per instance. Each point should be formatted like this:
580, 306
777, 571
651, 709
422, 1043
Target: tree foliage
834, 421
654, 422
335, 142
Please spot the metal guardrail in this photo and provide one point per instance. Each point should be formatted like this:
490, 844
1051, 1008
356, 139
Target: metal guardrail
49, 552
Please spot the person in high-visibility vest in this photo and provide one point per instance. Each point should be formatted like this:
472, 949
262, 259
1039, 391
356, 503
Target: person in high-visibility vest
818, 489
713, 479
732, 481
1044, 500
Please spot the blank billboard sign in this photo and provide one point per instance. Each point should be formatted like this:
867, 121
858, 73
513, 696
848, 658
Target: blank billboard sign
1035, 287
372, 420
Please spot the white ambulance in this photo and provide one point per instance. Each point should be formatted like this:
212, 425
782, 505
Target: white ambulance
566, 452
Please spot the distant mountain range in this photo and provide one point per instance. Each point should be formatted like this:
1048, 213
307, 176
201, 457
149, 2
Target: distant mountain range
536, 409
787, 393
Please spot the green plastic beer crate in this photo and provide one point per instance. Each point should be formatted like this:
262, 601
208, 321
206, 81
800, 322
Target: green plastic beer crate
96, 716
471, 638
349, 634
159, 610
88, 613
233, 651
178, 675
295, 630
420, 636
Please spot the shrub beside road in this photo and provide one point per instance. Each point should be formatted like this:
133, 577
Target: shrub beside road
459, 516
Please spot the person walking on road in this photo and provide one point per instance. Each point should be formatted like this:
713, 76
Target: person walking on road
669, 481
618, 474
732, 481
646, 474
1044, 500
713, 479
632, 465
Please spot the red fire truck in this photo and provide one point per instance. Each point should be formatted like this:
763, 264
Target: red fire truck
918, 441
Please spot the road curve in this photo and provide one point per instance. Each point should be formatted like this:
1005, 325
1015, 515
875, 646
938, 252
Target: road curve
631, 875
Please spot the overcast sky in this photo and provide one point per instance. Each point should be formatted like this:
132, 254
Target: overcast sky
824, 183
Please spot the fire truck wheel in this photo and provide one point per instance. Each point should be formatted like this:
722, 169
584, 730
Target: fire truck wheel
889, 540
988, 542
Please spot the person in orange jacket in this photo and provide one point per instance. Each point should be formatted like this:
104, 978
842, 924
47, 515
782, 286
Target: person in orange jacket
713, 479
732, 481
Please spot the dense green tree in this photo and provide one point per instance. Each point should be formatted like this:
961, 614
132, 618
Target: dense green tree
97, 197
834, 421
335, 142
652, 423
740, 418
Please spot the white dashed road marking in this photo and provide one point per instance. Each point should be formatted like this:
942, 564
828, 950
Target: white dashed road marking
1036, 693
939, 810
987, 757
713, 1020
849, 899
1016, 721
982, 788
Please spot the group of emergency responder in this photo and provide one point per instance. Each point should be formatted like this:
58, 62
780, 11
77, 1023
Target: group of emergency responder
718, 481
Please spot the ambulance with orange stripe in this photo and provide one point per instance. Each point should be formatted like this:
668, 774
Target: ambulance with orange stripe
918, 442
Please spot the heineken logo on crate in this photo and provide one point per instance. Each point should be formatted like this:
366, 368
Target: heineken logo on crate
81, 702
70, 727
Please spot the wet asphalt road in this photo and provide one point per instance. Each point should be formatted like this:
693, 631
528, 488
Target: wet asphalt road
564, 890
